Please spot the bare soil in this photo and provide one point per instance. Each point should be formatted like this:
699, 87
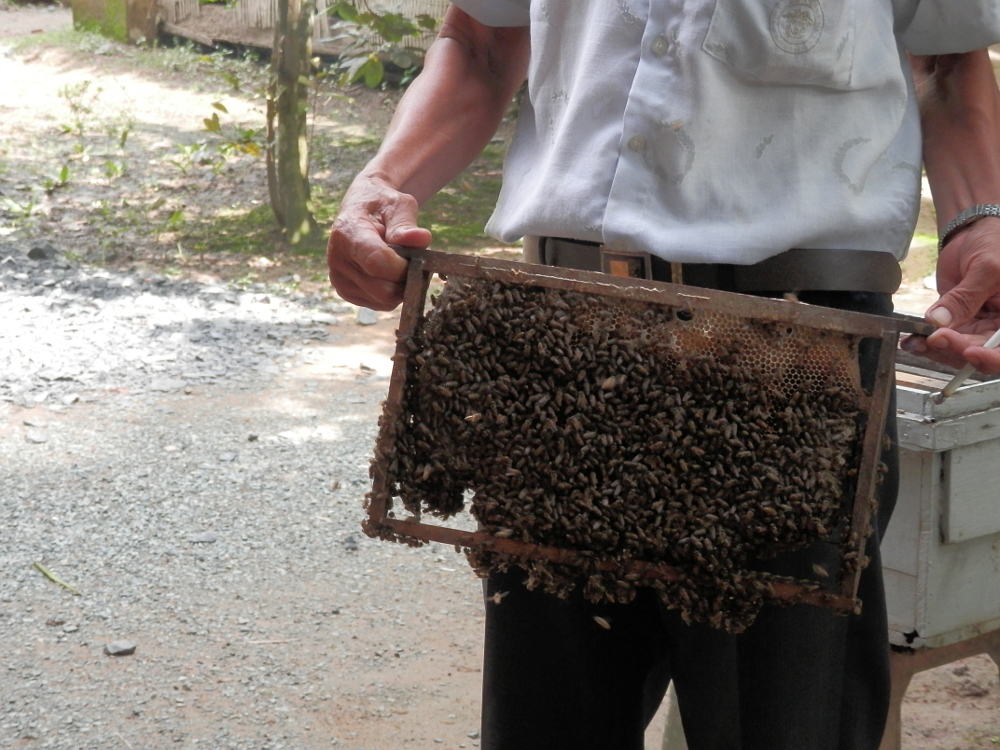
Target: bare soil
955, 707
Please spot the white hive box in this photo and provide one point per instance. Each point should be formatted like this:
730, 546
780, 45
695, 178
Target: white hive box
941, 554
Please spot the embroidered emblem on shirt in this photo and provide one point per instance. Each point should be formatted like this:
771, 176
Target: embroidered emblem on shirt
796, 25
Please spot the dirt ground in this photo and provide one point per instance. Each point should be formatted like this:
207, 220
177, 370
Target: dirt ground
955, 707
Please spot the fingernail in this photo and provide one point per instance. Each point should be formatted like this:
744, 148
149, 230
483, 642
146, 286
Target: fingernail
941, 316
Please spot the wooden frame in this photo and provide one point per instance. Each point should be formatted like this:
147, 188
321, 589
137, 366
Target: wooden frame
424, 263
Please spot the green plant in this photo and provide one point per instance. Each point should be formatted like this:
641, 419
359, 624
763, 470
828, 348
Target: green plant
120, 128
114, 169
235, 139
22, 210
190, 155
173, 222
81, 152
59, 180
375, 37
80, 100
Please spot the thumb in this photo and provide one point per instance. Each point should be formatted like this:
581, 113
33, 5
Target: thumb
401, 229
963, 302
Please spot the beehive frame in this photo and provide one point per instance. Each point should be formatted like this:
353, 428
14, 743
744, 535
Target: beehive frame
423, 264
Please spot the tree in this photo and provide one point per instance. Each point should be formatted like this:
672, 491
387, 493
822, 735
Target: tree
373, 35
287, 146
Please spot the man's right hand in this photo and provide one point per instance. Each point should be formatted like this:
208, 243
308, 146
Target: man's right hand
448, 114
363, 268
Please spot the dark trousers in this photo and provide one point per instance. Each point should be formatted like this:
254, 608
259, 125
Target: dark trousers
800, 678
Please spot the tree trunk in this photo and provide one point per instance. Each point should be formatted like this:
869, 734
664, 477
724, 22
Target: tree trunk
287, 149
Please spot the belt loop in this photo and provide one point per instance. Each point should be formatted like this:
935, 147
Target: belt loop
531, 249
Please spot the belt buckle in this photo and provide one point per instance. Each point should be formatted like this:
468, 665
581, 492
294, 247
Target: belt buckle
626, 263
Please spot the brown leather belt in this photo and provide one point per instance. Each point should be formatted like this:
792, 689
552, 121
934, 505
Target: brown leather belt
794, 270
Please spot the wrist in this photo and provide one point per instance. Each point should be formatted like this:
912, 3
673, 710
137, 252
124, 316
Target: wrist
966, 218
374, 175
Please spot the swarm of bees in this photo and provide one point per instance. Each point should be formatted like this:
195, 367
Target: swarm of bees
624, 431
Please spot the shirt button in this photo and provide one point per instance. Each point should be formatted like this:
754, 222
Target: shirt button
637, 143
660, 46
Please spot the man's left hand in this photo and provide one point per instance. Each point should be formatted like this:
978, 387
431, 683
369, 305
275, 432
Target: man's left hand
968, 312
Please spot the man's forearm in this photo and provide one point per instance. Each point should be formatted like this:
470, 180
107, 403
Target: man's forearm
960, 115
453, 107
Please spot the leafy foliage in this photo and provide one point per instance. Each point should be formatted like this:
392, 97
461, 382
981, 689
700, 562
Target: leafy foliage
235, 139
377, 37
81, 99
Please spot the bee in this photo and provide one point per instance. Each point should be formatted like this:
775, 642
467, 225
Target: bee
603, 622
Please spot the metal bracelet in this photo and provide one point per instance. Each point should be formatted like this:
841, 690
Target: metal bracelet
968, 216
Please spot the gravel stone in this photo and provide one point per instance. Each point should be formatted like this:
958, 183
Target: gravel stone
366, 317
120, 648
42, 251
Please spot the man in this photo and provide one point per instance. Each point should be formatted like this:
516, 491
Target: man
767, 146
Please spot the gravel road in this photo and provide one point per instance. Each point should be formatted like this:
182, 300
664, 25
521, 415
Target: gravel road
191, 459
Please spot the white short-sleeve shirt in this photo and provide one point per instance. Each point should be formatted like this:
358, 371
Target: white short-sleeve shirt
723, 130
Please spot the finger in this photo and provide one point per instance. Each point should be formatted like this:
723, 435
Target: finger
949, 339
362, 265
945, 358
401, 227
382, 264
987, 361
359, 287
359, 248
914, 344
952, 348
979, 284
375, 295
407, 236
958, 306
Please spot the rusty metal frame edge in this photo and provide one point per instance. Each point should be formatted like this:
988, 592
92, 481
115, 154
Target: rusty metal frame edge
871, 450
663, 293
480, 540
414, 295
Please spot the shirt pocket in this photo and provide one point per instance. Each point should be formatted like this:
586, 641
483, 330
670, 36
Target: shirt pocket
803, 42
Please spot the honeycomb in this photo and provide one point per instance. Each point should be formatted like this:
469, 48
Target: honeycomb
627, 430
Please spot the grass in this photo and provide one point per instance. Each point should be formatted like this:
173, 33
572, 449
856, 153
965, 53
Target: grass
457, 214
247, 229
